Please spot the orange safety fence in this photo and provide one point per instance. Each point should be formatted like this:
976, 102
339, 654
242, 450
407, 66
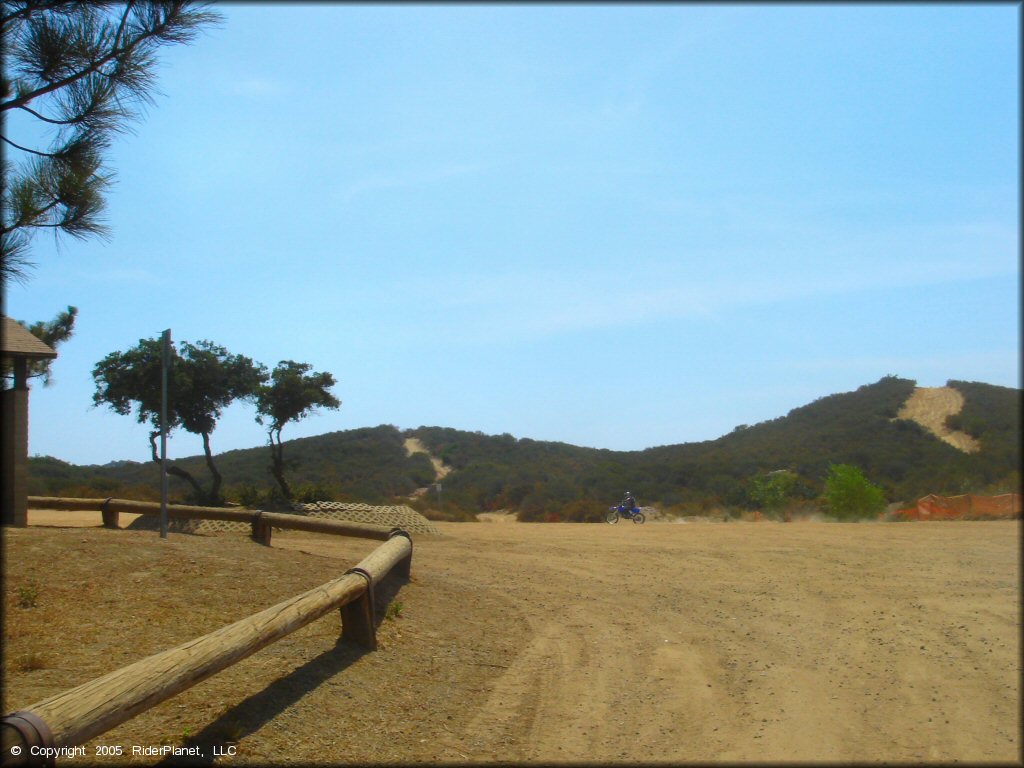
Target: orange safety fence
1006, 506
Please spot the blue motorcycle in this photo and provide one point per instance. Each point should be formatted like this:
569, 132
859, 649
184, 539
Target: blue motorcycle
614, 513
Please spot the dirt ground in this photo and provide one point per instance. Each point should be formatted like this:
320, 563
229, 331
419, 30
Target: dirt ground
760, 642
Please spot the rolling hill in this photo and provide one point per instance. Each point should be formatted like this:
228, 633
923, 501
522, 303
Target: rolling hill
541, 479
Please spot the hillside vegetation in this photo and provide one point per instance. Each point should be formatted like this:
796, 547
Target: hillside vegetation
556, 481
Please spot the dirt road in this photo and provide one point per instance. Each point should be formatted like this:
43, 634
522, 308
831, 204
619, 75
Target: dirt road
558, 642
742, 641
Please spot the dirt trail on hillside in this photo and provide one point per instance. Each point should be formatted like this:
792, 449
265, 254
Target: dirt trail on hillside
415, 445
930, 407
761, 642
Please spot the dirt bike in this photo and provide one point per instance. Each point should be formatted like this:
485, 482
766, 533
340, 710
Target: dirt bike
614, 513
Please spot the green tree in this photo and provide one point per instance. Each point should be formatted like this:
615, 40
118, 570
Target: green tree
203, 379
53, 333
292, 394
771, 491
209, 378
851, 495
75, 73
131, 380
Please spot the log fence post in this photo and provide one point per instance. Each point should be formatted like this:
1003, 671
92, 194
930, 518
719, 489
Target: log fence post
357, 617
110, 516
28, 733
404, 566
261, 529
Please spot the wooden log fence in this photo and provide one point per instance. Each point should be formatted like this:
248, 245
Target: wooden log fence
56, 724
262, 522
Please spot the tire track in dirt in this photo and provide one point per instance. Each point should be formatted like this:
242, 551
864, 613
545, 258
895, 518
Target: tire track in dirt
605, 662
790, 650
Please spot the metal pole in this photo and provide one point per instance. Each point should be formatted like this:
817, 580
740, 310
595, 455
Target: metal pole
165, 363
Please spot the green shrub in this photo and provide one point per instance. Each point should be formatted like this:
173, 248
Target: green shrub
849, 495
307, 493
28, 596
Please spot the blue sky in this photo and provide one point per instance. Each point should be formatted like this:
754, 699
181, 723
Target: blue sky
609, 225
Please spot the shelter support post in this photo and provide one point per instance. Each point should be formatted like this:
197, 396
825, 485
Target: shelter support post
14, 459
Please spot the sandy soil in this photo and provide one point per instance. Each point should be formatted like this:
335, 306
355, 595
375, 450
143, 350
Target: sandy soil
732, 642
930, 407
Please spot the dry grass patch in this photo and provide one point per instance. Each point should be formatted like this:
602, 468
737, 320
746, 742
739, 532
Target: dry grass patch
103, 599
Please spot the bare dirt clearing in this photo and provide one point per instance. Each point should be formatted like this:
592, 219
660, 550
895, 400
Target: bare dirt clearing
556, 642
930, 407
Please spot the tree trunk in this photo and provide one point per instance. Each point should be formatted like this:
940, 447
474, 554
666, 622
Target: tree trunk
176, 471
277, 467
217, 478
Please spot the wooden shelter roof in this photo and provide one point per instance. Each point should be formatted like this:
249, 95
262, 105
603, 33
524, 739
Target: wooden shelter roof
16, 341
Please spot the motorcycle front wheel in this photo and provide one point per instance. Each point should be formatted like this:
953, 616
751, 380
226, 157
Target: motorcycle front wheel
611, 517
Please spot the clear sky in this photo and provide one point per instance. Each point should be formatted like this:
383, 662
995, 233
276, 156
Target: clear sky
614, 226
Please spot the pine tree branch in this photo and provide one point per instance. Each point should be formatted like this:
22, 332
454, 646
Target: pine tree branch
55, 86
50, 120
93, 62
31, 151
24, 221
28, 10
124, 22
96, 66
59, 225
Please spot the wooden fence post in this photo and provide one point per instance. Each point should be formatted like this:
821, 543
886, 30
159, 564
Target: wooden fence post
110, 516
357, 617
404, 566
261, 529
23, 734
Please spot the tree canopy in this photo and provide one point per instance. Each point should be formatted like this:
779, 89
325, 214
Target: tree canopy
292, 394
52, 333
204, 378
772, 490
131, 380
210, 378
74, 74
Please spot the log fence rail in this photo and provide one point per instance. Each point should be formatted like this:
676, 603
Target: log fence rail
36, 734
262, 522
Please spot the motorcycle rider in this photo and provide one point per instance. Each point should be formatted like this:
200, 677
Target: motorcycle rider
628, 501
